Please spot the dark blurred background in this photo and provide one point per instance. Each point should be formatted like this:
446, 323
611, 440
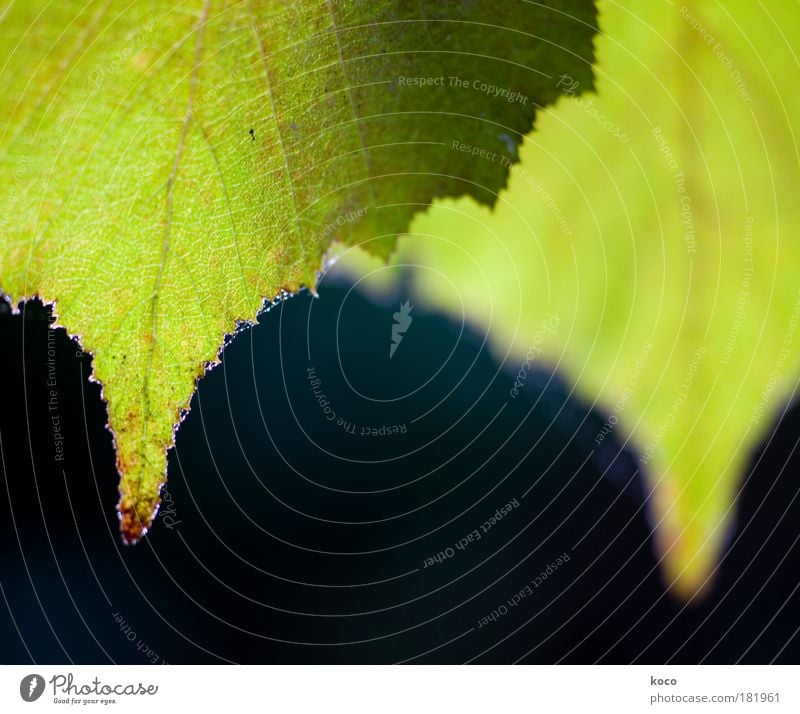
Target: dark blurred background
288, 537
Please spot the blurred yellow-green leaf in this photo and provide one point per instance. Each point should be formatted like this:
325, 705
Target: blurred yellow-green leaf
657, 219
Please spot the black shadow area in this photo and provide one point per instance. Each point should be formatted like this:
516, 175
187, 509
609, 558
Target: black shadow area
328, 502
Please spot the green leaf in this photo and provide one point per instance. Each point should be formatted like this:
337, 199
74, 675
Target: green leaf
658, 221
169, 166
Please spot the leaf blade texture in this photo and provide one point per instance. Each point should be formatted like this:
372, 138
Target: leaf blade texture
173, 165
